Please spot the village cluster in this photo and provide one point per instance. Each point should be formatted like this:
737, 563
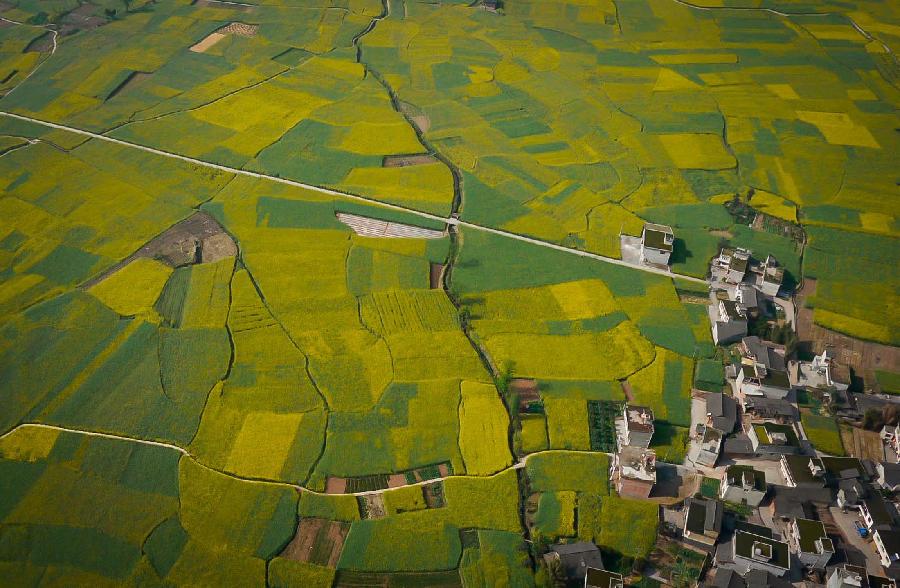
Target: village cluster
774, 509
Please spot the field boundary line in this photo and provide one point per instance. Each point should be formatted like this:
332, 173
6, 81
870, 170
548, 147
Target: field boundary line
55, 37
776, 12
518, 465
365, 199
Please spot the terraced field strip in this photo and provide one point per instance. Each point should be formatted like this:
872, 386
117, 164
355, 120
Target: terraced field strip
346, 195
516, 466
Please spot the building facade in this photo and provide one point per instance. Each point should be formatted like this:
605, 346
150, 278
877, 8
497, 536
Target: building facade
743, 485
657, 243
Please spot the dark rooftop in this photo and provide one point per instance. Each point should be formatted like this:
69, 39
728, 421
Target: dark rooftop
738, 445
878, 510
576, 558
602, 579
658, 237
890, 540
769, 407
740, 475
703, 516
723, 411
732, 310
809, 533
891, 473
799, 468
762, 548
844, 468
763, 353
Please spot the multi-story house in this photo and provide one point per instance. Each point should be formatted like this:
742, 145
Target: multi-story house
773, 438
703, 520
802, 471
887, 544
732, 263
729, 322
743, 485
808, 540
657, 243
636, 427
753, 548
634, 471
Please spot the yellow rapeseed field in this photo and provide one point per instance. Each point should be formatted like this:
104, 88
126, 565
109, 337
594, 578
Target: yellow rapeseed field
483, 429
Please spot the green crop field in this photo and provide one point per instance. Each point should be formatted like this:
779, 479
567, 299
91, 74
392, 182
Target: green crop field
289, 292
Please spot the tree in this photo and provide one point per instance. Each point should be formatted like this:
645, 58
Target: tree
890, 414
465, 317
873, 419
557, 575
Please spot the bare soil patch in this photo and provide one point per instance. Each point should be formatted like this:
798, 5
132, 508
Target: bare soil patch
862, 444
236, 28
435, 273
371, 506
434, 495
626, 389
396, 481
407, 160
864, 357
335, 485
216, 247
674, 484
181, 244
416, 115
82, 18
317, 541
42, 44
204, 45
528, 393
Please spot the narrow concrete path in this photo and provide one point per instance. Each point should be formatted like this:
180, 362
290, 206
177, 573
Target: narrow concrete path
355, 197
516, 466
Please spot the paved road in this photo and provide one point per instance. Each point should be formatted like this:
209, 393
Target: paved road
349, 196
845, 522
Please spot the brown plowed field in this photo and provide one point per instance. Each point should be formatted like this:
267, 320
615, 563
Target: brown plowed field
317, 541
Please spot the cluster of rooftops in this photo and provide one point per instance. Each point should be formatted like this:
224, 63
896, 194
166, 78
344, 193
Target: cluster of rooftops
774, 470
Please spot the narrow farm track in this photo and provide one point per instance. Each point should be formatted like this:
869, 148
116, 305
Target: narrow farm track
54, 37
782, 14
113, 437
356, 197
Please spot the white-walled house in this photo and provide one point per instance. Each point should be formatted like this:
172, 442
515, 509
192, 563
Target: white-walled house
769, 276
733, 263
729, 322
657, 243
763, 371
887, 544
808, 540
743, 485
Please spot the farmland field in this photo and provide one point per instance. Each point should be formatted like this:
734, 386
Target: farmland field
208, 376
